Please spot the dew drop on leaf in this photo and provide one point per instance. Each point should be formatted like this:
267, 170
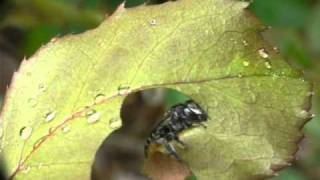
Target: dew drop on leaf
25, 132
214, 103
26, 169
99, 98
122, 90
313, 115
245, 43
153, 22
115, 123
92, 116
250, 98
54, 39
49, 116
303, 114
65, 129
268, 65
246, 63
263, 53
32, 102
42, 88
276, 49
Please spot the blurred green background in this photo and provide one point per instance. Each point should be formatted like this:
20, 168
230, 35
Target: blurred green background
26, 25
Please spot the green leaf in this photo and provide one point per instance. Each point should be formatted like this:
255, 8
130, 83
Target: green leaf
285, 13
210, 50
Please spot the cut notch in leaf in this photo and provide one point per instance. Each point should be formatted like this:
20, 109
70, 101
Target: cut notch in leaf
208, 49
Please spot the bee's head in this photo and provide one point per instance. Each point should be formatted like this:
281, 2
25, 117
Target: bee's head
195, 111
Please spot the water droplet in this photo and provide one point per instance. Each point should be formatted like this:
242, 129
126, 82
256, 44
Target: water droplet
263, 53
54, 39
49, 116
123, 90
214, 103
25, 132
245, 43
65, 129
99, 98
93, 116
115, 123
303, 114
32, 102
268, 65
250, 98
25, 169
153, 22
240, 75
246, 63
312, 115
42, 88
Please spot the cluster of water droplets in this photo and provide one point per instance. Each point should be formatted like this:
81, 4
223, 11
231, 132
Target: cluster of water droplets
262, 52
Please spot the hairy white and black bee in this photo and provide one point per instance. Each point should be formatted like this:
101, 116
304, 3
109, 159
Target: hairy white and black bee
177, 119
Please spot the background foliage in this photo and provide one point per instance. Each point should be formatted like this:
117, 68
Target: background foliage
25, 25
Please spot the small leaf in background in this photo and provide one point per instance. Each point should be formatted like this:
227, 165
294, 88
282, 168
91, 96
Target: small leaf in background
36, 37
272, 12
313, 30
291, 174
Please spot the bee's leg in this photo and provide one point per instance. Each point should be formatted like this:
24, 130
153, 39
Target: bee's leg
172, 151
146, 148
204, 125
200, 124
181, 143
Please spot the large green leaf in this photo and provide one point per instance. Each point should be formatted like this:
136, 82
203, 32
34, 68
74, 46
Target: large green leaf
64, 100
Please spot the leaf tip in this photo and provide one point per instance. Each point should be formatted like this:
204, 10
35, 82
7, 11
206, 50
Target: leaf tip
121, 8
